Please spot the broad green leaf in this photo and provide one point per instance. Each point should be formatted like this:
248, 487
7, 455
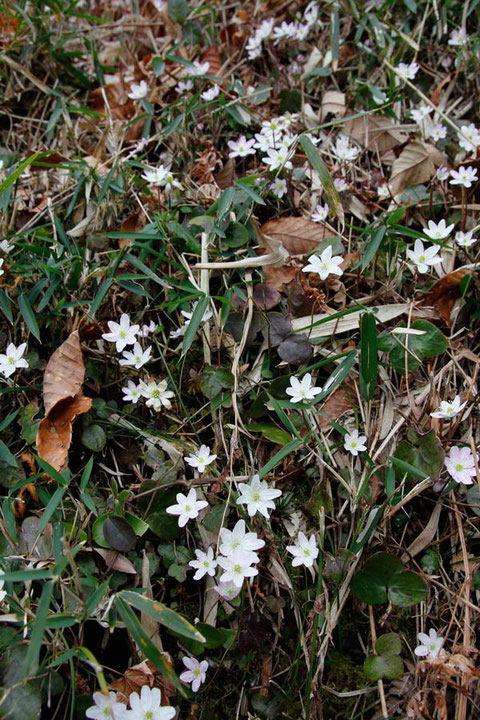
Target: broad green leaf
389, 667
368, 355
271, 432
146, 646
194, 323
21, 696
330, 190
165, 616
406, 589
389, 644
28, 315
423, 451
424, 341
371, 583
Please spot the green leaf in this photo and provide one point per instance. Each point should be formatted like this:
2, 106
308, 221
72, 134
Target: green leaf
177, 11
119, 534
383, 666
194, 323
281, 454
271, 432
145, 644
473, 499
21, 696
423, 451
5, 306
372, 246
368, 355
325, 178
94, 438
36, 639
28, 315
7, 456
10, 179
170, 619
389, 644
99, 296
425, 341
383, 578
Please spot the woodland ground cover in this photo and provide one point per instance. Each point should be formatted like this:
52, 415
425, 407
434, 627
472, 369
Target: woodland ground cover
239, 312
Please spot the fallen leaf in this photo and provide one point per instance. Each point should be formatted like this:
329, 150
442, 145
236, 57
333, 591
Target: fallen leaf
416, 164
446, 291
133, 223
139, 675
339, 402
265, 297
19, 504
115, 561
298, 235
224, 177
63, 401
376, 132
295, 349
333, 103
212, 56
277, 277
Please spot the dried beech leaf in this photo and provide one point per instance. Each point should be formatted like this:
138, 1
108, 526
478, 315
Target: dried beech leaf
295, 349
337, 405
64, 373
224, 177
416, 164
375, 132
277, 277
265, 297
333, 103
212, 56
63, 401
298, 236
139, 675
116, 561
446, 291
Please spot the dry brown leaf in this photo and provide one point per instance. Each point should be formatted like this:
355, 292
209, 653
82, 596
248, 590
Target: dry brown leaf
337, 405
225, 176
416, 164
212, 56
278, 277
139, 675
19, 505
266, 674
115, 561
298, 235
445, 292
133, 223
63, 401
376, 132
333, 103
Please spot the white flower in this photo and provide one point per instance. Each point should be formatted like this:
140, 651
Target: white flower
241, 148
437, 132
442, 173
407, 71
137, 358
320, 213
138, 90
264, 141
188, 315
253, 47
283, 31
160, 5
458, 38
449, 409
196, 672
187, 508
169, 182
237, 566
240, 539
421, 112
424, 257
3, 593
106, 707
228, 590
201, 458
210, 94
199, 68
340, 184
305, 550
155, 176
276, 124
469, 137
121, 333
147, 329
204, 564
156, 394
383, 191
5, 246
465, 239
303, 389
300, 32
132, 392
12, 359
279, 187
343, 150
463, 176
257, 496
184, 87
324, 265
438, 231
460, 464
431, 645
146, 706
354, 443
264, 30
277, 158
310, 14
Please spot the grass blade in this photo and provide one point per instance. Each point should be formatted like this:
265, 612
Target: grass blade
165, 616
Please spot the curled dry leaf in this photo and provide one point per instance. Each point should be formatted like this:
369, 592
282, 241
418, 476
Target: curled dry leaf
212, 56
63, 401
297, 235
416, 164
446, 291
376, 132
333, 103
337, 405
115, 561
139, 675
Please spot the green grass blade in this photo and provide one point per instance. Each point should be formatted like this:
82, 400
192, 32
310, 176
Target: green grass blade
28, 315
317, 163
36, 640
368, 355
194, 323
165, 616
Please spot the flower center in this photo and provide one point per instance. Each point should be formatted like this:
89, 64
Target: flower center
421, 258
459, 466
201, 459
236, 544
122, 333
353, 444
138, 358
196, 672
148, 715
206, 563
188, 508
237, 568
11, 360
256, 496
306, 552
